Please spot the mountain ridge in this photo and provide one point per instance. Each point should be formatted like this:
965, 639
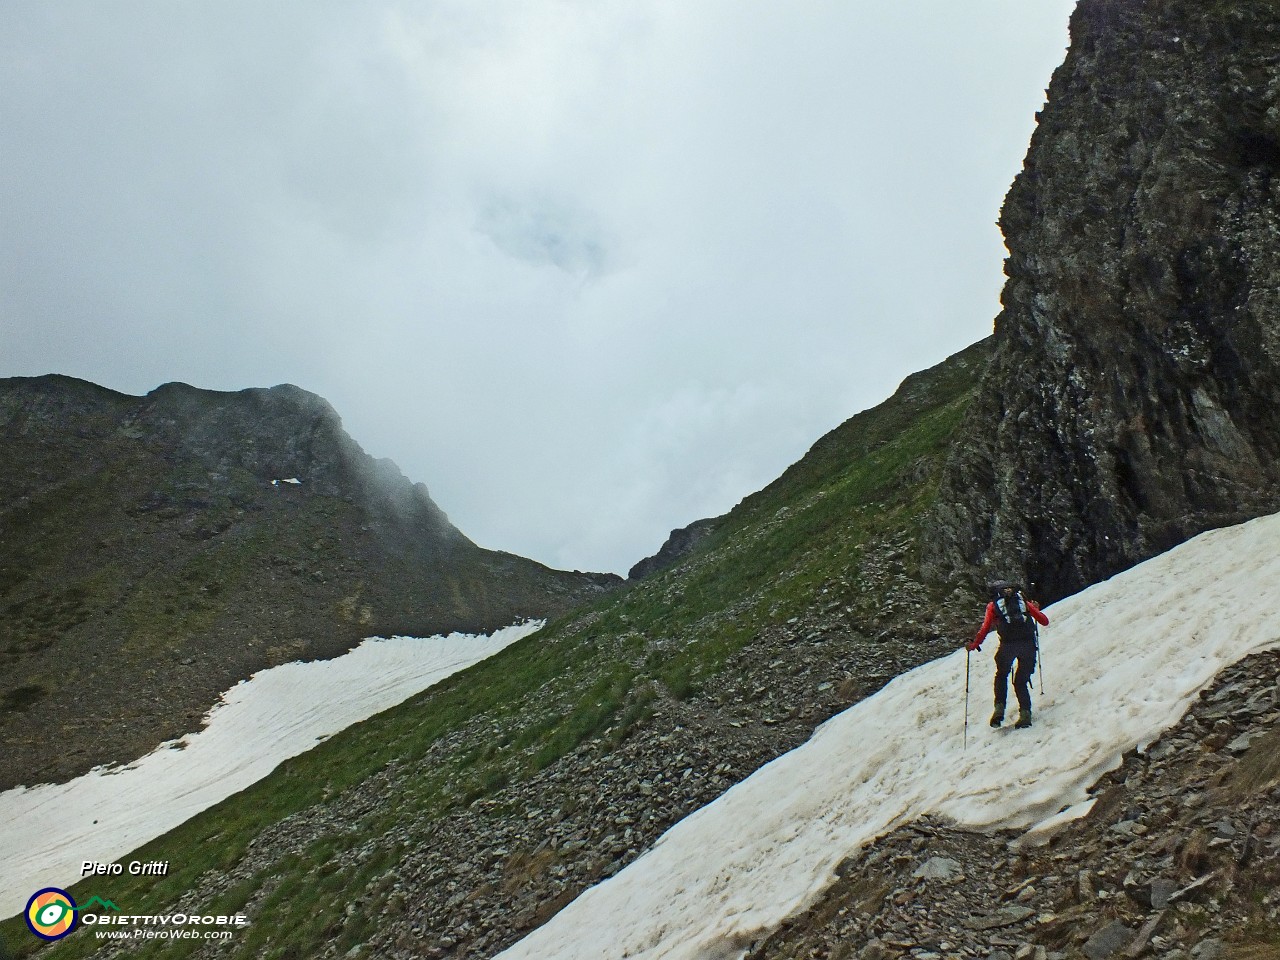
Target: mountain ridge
159, 540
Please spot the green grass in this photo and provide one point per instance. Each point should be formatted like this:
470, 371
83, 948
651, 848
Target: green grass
180, 602
594, 675
1258, 940
818, 544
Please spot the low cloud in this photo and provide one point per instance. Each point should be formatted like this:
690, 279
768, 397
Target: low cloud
544, 232
590, 270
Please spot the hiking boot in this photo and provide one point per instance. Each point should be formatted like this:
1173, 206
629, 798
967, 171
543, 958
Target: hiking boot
997, 718
1024, 720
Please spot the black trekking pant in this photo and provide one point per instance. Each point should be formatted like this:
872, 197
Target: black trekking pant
1022, 653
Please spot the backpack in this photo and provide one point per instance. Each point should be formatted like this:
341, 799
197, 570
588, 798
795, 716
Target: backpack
1013, 622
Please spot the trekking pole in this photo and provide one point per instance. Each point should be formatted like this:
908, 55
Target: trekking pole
1039, 661
967, 654
1039, 654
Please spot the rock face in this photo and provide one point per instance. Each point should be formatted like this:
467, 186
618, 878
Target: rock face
1134, 399
678, 545
156, 550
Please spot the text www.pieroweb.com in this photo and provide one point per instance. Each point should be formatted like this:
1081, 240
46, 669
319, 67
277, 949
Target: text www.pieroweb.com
142, 933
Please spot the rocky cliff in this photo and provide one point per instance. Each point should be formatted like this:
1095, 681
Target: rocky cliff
678, 545
1134, 399
155, 550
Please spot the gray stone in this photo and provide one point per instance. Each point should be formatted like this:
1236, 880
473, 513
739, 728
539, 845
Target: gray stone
938, 868
1001, 918
1085, 890
1241, 743
1162, 888
1107, 941
1210, 949
875, 950
1194, 889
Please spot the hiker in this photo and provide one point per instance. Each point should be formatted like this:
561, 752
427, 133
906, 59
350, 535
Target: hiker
1011, 614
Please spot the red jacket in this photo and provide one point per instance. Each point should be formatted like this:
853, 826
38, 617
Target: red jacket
989, 620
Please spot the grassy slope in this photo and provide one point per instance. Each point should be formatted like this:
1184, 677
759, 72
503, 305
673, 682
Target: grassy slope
591, 674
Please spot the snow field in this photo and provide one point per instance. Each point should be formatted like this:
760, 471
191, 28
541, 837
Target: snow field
48, 831
1124, 659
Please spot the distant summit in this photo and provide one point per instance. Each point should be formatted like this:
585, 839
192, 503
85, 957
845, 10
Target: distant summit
155, 550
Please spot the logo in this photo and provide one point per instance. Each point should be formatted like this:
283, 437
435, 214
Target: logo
51, 913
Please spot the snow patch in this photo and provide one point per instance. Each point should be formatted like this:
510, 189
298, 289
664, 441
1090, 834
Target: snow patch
276, 714
1122, 661
1043, 831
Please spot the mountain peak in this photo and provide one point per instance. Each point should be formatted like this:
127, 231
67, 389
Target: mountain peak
161, 530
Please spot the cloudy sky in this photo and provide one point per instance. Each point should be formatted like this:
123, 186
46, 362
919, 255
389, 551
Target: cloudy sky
589, 269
